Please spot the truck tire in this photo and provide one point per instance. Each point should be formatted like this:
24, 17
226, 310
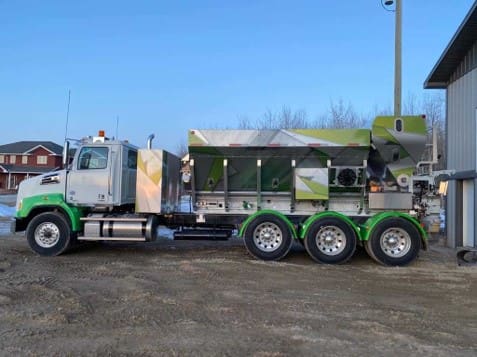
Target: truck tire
330, 240
367, 248
394, 242
49, 234
268, 237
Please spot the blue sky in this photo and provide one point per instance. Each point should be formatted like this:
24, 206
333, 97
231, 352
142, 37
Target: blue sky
167, 66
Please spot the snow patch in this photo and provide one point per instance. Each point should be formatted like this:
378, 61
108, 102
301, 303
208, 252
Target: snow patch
6, 211
165, 232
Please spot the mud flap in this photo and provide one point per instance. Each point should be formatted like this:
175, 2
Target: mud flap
467, 256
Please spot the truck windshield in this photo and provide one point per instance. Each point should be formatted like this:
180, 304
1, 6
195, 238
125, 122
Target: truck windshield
93, 158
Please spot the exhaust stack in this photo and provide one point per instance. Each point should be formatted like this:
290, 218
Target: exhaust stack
149, 141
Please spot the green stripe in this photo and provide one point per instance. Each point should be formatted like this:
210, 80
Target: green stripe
51, 201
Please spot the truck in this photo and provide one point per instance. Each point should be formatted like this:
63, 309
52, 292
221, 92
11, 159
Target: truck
330, 190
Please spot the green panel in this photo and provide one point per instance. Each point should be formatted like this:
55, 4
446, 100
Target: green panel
275, 213
51, 200
406, 171
194, 139
411, 123
317, 191
242, 174
309, 222
403, 153
311, 184
383, 133
409, 143
205, 150
415, 125
322, 156
343, 137
276, 169
216, 173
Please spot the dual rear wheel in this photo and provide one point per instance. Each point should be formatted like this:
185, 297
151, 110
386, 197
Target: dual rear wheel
330, 240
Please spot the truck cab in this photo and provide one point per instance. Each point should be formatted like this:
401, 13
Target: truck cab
102, 174
100, 178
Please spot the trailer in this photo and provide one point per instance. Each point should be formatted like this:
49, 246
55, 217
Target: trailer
328, 189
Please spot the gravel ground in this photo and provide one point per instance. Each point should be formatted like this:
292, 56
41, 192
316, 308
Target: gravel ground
211, 298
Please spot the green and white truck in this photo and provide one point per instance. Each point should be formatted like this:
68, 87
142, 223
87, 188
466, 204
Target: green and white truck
329, 189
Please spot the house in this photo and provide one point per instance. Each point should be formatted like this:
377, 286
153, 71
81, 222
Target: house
24, 159
456, 72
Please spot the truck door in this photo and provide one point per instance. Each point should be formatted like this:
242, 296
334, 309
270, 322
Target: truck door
89, 181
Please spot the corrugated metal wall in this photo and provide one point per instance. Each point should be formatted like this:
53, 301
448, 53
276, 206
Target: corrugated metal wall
461, 134
461, 104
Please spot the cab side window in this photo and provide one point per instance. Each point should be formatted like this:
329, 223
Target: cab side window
132, 159
93, 158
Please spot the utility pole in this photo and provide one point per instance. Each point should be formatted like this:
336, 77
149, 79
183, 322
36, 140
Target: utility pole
398, 60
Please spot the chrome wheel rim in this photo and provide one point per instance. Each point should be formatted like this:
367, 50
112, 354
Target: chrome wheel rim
47, 234
267, 237
395, 242
330, 240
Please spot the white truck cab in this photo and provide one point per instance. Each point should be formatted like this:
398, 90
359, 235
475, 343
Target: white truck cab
103, 173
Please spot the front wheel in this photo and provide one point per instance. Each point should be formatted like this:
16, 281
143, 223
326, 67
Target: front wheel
49, 234
268, 237
330, 240
394, 241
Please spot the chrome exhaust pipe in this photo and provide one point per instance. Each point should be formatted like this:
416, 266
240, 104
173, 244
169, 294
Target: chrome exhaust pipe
149, 141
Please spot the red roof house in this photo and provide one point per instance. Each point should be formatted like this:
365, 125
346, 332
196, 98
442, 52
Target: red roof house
24, 159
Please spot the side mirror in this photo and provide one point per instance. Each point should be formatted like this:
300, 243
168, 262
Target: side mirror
66, 151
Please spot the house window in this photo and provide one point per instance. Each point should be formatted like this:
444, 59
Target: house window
42, 160
13, 159
2, 159
24, 159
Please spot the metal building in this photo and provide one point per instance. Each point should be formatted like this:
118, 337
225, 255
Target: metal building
456, 71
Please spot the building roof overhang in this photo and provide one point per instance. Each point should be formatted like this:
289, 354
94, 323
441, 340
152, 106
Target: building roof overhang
454, 53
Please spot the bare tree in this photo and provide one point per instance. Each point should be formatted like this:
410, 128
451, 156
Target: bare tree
341, 116
244, 123
380, 111
181, 149
411, 105
433, 106
267, 121
286, 118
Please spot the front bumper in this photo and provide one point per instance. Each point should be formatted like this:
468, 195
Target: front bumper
19, 225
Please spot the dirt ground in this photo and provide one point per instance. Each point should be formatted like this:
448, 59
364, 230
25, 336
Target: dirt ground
211, 298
